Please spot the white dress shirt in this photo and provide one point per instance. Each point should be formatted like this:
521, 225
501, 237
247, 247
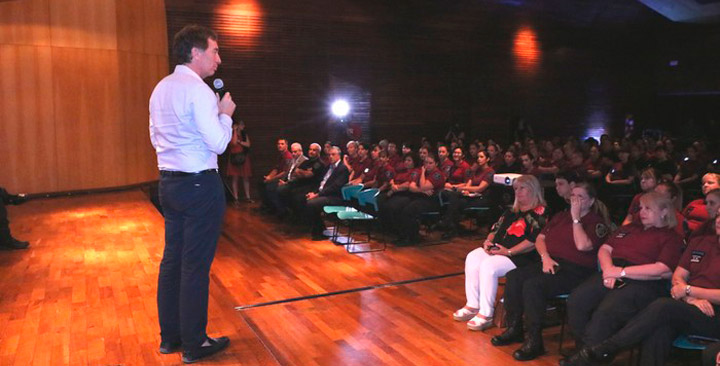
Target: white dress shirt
185, 128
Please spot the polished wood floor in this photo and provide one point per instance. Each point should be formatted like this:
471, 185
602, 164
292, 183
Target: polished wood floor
84, 293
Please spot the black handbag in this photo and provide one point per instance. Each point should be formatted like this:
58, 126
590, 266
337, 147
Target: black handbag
238, 159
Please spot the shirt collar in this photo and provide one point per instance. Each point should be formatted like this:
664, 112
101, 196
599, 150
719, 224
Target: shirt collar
182, 69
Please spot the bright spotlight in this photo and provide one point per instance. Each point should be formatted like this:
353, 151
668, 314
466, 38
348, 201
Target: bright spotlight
340, 108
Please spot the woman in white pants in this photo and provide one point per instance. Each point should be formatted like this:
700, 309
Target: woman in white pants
510, 244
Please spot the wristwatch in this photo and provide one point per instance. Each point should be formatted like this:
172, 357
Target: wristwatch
687, 290
576, 221
622, 273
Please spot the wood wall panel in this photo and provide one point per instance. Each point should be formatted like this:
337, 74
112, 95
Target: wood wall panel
84, 24
27, 133
74, 104
25, 22
90, 133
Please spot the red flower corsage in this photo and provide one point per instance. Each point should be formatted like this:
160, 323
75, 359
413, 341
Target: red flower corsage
517, 228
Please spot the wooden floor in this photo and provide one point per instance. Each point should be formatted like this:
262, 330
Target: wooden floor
84, 294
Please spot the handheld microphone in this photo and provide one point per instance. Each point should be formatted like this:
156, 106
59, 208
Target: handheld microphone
219, 86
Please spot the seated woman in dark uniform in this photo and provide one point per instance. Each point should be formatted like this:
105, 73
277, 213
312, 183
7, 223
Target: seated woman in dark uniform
424, 199
648, 182
693, 309
467, 195
568, 248
397, 195
635, 263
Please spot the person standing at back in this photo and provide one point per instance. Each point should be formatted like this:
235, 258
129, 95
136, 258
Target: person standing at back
189, 128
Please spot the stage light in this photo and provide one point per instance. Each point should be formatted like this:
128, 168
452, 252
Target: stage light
340, 108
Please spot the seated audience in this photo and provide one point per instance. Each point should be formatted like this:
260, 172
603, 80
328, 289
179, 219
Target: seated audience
510, 244
305, 178
693, 309
635, 263
328, 193
444, 162
425, 199
695, 212
269, 184
510, 163
648, 182
568, 248
527, 160
361, 164
459, 171
398, 195
712, 204
469, 194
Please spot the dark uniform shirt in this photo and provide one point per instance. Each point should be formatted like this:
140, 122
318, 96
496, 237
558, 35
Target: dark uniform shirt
634, 208
385, 174
284, 161
702, 260
318, 168
638, 245
407, 175
359, 167
458, 173
561, 243
437, 178
447, 166
485, 175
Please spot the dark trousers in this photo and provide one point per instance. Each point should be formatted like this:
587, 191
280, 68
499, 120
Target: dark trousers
596, 312
193, 207
5, 236
410, 215
659, 324
457, 202
391, 208
314, 208
711, 354
268, 195
528, 288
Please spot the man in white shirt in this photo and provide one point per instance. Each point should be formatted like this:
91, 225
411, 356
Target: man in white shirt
189, 128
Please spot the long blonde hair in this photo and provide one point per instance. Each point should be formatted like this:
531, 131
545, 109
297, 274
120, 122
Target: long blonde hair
532, 183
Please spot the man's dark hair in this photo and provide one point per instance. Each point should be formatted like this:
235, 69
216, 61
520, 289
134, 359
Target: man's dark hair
192, 36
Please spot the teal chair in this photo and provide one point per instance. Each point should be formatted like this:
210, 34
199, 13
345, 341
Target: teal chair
348, 193
693, 342
367, 202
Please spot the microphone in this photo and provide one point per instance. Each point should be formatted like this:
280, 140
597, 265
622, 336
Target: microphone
219, 86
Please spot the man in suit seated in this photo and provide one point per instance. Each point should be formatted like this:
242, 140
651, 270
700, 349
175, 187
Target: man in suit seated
7, 241
327, 194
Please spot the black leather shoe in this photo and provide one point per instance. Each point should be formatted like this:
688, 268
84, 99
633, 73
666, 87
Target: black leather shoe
530, 350
170, 347
603, 352
576, 359
216, 345
512, 334
17, 199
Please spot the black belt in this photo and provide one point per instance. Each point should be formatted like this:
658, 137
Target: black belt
172, 173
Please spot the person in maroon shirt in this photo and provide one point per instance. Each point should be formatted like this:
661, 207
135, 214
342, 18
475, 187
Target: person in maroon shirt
425, 199
568, 247
393, 157
695, 212
496, 160
648, 181
269, 184
370, 174
693, 308
527, 160
385, 172
469, 194
360, 166
445, 163
458, 174
712, 204
398, 195
635, 262
352, 154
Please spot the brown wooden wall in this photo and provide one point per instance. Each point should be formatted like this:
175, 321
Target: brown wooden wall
422, 65
75, 81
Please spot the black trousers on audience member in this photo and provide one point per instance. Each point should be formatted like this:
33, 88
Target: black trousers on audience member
391, 208
410, 215
711, 354
528, 289
457, 202
5, 236
314, 208
268, 195
193, 207
659, 324
596, 312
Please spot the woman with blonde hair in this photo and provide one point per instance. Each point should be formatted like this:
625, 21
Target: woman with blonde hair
636, 262
510, 244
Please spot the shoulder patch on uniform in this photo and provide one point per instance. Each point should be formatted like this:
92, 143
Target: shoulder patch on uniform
601, 230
